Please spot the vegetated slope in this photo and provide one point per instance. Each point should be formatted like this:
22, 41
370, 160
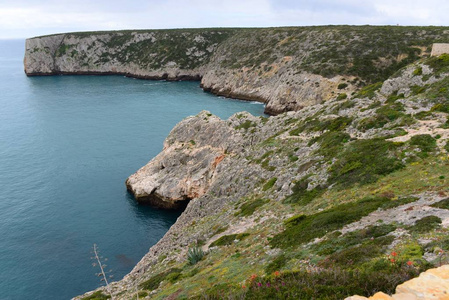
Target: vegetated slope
341, 198
287, 68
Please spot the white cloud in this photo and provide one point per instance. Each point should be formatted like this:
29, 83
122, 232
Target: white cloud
24, 18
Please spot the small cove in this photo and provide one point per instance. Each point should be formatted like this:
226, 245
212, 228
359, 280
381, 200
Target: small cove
67, 144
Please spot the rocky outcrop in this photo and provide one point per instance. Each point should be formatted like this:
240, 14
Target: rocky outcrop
188, 164
430, 285
257, 176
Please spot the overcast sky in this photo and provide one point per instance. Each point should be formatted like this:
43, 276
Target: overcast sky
28, 18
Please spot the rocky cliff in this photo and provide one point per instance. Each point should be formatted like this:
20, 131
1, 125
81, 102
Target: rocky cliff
349, 196
286, 68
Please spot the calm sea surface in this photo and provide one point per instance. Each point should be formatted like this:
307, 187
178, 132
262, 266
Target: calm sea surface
67, 144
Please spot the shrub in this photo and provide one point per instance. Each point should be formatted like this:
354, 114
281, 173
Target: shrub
245, 125
353, 256
363, 161
394, 96
98, 295
332, 283
439, 64
425, 224
301, 195
342, 96
277, 263
342, 86
154, 281
229, 239
369, 91
331, 143
269, 184
249, 207
302, 229
425, 142
173, 277
194, 255
417, 71
443, 204
441, 107
370, 234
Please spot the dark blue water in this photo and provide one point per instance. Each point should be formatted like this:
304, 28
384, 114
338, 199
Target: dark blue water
67, 144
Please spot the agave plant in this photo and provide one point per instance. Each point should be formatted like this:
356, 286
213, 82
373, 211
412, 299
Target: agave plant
195, 254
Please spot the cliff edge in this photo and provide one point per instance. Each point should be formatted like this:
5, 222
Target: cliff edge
287, 68
345, 197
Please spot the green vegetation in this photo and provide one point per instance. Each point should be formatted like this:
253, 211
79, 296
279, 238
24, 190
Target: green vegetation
249, 207
246, 125
342, 86
97, 296
444, 204
328, 284
301, 195
278, 263
425, 224
368, 236
194, 255
331, 142
425, 142
269, 184
154, 281
363, 161
439, 64
314, 124
441, 107
369, 91
384, 115
342, 96
227, 240
301, 229
417, 71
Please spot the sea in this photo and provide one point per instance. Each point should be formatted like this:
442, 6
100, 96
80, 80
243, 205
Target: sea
67, 145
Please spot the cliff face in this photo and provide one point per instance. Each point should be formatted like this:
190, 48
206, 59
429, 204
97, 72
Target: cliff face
286, 68
345, 197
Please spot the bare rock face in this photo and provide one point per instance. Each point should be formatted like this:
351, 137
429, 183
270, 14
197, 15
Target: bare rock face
39, 54
187, 166
430, 285
278, 88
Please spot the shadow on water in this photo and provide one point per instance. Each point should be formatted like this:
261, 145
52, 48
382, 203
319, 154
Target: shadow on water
148, 214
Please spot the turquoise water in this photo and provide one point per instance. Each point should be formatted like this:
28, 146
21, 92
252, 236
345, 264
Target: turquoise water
67, 144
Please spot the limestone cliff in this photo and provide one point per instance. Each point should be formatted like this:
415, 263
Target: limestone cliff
286, 68
340, 198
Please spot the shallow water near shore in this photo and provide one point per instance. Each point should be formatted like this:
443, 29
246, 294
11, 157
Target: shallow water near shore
67, 144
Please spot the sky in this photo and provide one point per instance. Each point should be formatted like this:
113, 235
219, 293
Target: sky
28, 18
